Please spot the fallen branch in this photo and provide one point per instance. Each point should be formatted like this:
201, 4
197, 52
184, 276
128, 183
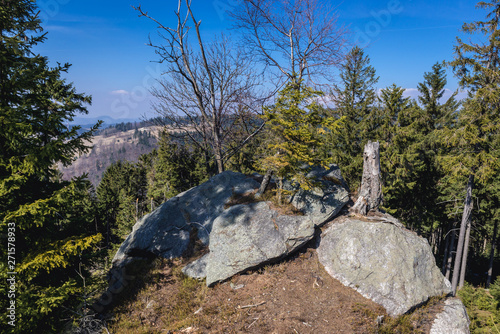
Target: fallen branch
249, 306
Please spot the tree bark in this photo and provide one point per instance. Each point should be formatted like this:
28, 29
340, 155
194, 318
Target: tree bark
370, 194
445, 255
464, 257
492, 254
265, 182
461, 238
450, 255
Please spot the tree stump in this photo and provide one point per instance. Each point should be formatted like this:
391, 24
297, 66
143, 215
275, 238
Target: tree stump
370, 194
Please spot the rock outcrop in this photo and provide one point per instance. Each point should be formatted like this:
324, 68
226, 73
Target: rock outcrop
376, 256
166, 231
384, 262
246, 236
452, 320
326, 199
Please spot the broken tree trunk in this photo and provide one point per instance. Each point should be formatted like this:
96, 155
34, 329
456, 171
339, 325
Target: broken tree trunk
265, 182
461, 282
370, 194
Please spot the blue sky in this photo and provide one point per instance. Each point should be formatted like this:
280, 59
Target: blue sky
105, 42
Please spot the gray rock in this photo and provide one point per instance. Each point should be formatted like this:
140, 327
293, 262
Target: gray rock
452, 320
165, 232
385, 263
196, 269
246, 236
323, 202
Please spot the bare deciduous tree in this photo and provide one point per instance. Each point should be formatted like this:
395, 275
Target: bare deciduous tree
207, 89
299, 38
296, 40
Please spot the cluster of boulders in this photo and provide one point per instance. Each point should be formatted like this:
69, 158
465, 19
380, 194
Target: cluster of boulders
376, 256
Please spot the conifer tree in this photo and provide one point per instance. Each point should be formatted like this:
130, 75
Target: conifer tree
122, 199
293, 127
436, 115
176, 167
471, 157
49, 225
412, 170
355, 98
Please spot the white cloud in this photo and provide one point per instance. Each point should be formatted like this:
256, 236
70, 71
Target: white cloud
120, 92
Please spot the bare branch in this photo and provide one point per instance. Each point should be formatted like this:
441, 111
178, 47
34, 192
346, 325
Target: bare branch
204, 86
300, 38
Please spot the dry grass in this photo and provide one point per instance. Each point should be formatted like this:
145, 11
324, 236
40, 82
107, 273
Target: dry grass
296, 295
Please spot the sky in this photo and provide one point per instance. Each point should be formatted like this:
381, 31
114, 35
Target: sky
105, 41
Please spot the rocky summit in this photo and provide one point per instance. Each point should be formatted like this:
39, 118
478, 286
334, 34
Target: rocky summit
374, 255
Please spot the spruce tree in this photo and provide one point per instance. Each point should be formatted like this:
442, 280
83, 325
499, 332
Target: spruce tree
411, 173
355, 102
176, 167
293, 130
45, 223
472, 157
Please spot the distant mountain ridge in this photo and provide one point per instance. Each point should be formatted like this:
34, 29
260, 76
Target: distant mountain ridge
87, 122
120, 141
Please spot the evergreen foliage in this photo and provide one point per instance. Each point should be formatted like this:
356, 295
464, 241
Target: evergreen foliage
355, 101
50, 219
122, 199
411, 171
294, 124
176, 167
472, 152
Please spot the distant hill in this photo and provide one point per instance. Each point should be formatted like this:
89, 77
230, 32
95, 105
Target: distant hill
121, 141
87, 122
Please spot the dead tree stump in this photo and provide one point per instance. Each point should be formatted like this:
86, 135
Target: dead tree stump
370, 194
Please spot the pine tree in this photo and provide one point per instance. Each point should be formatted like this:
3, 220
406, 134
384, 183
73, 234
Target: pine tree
48, 219
355, 98
477, 65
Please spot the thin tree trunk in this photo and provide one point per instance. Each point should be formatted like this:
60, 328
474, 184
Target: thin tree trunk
280, 190
492, 254
449, 261
461, 238
445, 255
370, 194
464, 257
218, 150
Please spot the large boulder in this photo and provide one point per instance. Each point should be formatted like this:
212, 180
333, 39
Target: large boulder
383, 261
326, 199
166, 231
248, 235
452, 320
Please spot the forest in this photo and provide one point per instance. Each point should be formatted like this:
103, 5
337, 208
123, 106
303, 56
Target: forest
320, 104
